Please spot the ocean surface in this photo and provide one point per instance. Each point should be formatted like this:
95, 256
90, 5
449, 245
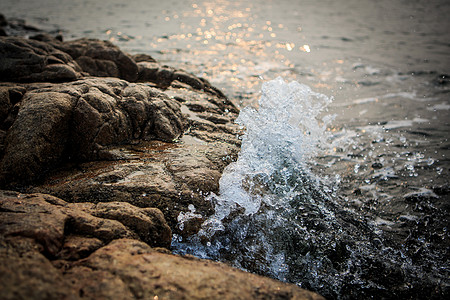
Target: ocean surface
346, 190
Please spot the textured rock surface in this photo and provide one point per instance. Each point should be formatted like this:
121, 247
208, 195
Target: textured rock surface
30, 60
119, 134
100, 58
53, 122
169, 176
50, 249
49, 220
103, 139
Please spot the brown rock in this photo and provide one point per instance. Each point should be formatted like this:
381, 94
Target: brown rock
148, 177
165, 77
45, 37
49, 220
151, 174
30, 61
148, 223
50, 249
101, 58
148, 71
143, 57
97, 284
90, 121
39, 135
52, 122
153, 275
76, 247
46, 58
35, 218
98, 67
189, 79
27, 274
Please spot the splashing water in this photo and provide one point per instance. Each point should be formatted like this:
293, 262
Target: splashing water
274, 217
280, 138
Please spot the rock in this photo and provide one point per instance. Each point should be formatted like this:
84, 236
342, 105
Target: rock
148, 223
100, 58
27, 274
147, 71
76, 247
169, 176
165, 77
3, 21
33, 217
109, 129
45, 37
46, 58
154, 275
142, 58
189, 79
25, 60
52, 223
76, 120
50, 249
33, 144
92, 120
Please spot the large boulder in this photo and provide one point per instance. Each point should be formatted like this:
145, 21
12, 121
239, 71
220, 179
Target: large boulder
156, 173
43, 125
50, 249
162, 142
52, 122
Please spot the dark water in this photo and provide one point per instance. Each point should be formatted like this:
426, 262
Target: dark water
379, 210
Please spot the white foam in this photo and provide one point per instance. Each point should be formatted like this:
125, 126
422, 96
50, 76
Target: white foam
285, 130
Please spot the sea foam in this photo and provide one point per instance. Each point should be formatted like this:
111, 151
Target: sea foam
282, 135
274, 216
261, 191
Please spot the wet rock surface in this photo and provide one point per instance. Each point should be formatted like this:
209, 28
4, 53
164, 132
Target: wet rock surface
100, 152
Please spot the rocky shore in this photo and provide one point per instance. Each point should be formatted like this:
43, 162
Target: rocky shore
100, 151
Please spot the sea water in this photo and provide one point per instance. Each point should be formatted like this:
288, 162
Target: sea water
274, 216
383, 230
